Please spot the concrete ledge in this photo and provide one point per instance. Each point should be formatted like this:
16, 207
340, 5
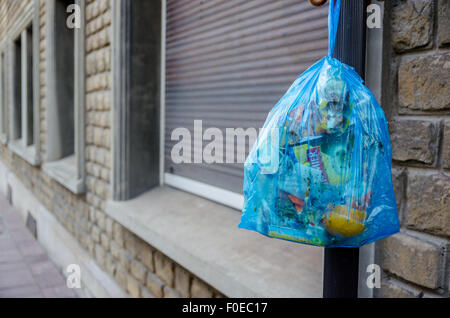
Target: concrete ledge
203, 237
64, 171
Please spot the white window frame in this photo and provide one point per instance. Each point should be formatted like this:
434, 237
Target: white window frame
68, 171
222, 196
28, 150
3, 90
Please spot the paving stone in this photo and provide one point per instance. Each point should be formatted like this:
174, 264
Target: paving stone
50, 278
11, 255
28, 291
5, 242
25, 269
13, 222
16, 278
43, 267
33, 259
8, 266
30, 247
20, 234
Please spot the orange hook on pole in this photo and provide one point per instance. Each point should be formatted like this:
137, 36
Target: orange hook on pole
318, 2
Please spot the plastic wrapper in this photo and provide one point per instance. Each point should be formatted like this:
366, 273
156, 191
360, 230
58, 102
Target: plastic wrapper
320, 171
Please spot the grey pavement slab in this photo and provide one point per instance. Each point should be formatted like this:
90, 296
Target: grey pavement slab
25, 269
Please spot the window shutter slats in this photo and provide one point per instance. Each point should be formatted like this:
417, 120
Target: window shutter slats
227, 63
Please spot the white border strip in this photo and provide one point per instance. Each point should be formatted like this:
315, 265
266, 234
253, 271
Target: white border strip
162, 119
225, 197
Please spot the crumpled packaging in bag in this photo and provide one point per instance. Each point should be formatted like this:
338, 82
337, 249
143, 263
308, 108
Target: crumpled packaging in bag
320, 171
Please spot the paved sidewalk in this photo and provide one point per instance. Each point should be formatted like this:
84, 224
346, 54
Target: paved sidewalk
25, 268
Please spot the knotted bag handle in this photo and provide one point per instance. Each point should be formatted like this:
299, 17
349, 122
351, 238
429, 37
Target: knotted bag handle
333, 23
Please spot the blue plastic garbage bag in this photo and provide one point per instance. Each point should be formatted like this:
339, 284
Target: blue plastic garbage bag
320, 171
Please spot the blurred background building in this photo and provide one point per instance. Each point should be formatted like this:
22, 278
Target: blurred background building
88, 103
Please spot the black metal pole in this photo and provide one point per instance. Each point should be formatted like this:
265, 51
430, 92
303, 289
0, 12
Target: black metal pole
341, 265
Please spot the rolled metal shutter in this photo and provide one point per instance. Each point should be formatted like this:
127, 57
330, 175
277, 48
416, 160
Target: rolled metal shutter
228, 62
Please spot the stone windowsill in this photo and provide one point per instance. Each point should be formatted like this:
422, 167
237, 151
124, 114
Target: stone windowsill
202, 236
64, 171
28, 153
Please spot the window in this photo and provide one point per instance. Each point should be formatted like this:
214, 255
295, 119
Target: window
65, 110
16, 132
3, 103
24, 85
64, 73
29, 76
23, 109
223, 66
226, 66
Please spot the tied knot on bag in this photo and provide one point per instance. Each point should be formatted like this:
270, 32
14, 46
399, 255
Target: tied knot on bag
333, 23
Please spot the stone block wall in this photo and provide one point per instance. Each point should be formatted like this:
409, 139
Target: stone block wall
416, 261
42, 79
140, 269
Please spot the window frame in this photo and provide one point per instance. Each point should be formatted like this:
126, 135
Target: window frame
120, 118
121, 174
68, 171
226, 197
28, 150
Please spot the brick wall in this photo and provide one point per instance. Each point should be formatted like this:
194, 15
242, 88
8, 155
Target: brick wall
416, 261
9, 12
137, 267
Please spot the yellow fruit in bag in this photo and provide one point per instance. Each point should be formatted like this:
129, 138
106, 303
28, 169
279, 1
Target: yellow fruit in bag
345, 222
